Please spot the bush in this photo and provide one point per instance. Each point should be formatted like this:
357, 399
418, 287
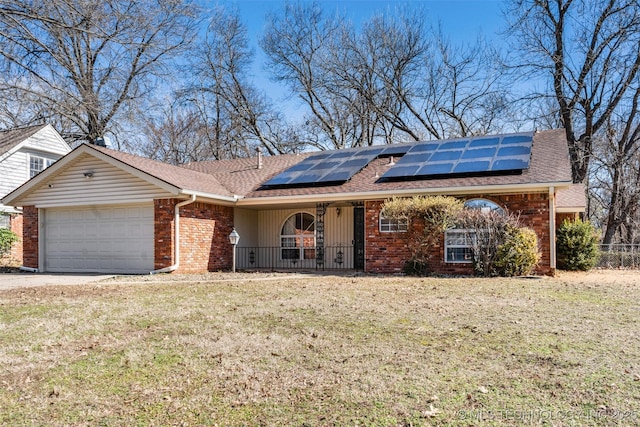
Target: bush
577, 245
7, 239
487, 231
435, 213
519, 254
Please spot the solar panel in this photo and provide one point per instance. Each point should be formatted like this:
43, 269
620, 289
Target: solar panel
333, 166
463, 156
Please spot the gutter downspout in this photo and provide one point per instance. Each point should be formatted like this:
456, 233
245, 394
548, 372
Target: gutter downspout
176, 247
552, 229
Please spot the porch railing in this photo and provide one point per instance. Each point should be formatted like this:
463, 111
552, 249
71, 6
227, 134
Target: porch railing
619, 256
295, 258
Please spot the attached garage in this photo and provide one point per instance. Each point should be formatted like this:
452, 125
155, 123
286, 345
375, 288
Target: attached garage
101, 211
104, 239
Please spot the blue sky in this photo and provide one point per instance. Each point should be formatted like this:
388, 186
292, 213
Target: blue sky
460, 20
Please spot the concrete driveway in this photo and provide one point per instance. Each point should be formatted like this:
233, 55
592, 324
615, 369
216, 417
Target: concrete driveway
29, 280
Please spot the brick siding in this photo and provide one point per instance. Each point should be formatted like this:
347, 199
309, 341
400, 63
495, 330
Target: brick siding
16, 226
387, 252
30, 236
204, 231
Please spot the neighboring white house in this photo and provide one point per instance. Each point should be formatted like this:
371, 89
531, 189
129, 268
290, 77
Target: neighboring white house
24, 153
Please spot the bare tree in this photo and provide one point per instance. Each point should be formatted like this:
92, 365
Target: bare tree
79, 63
235, 115
176, 136
299, 43
588, 52
392, 80
615, 174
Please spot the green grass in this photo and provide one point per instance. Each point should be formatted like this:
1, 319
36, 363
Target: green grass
323, 351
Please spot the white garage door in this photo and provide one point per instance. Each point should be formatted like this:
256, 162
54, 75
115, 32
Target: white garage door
103, 239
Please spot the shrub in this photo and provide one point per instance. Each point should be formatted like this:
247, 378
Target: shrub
7, 239
487, 231
519, 254
577, 245
437, 213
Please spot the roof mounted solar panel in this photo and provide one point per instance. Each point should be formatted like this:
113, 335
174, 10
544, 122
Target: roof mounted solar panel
477, 155
333, 166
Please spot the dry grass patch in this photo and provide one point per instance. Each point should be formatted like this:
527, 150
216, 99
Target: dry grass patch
272, 350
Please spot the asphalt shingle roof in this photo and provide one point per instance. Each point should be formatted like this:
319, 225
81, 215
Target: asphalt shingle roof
183, 178
242, 177
12, 137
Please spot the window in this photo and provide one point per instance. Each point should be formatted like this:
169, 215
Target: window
484, 205
298, 237
388, 225
5, 221
458, 245
37, 164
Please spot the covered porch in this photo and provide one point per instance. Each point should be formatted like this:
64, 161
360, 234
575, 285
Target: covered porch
320, 236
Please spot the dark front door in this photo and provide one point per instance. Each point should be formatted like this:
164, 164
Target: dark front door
358, 237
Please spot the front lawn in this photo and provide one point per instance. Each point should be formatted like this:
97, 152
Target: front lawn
270, 350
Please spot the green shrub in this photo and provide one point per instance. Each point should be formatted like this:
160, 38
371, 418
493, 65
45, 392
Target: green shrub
577, 245
519, 254
7, 239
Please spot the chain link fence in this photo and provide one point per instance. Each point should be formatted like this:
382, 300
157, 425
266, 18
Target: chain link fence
619, 256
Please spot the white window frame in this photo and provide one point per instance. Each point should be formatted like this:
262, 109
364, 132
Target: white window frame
44, 162
459, 250
297, 241
389, 225
5, 220
453, 245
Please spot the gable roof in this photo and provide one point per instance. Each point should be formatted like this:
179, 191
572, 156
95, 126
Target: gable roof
240, 181
186, 180
11, 138
174, 179
549, 166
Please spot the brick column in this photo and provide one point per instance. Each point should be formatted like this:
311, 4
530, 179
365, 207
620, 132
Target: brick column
30, 255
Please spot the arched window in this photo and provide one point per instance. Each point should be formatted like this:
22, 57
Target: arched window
484, 205
298, 237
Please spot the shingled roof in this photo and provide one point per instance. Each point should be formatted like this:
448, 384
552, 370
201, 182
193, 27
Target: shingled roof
183, 178
12, 137
242, 180
549, 166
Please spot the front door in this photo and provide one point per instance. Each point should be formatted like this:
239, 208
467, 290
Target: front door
358, 237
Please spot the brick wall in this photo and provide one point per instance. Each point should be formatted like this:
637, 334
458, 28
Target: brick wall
204, 231
30, 236
387, 252
560, 217
16, 222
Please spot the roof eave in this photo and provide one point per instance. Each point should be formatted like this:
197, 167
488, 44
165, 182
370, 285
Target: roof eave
55, 168
371, 195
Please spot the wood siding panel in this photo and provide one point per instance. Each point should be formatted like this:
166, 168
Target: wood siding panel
14, 166
47, 141
108, 185
246, 224
14, 172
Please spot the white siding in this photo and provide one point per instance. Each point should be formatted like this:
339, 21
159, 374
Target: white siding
262, 230
108, 185
14, 166
14, 172
246, 223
